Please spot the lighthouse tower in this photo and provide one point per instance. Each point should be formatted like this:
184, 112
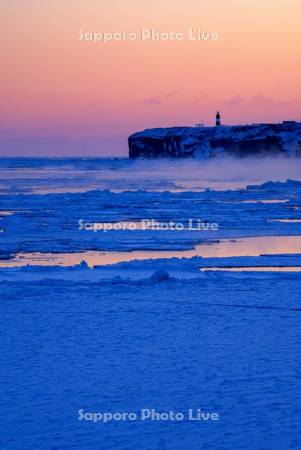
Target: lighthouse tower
218, 119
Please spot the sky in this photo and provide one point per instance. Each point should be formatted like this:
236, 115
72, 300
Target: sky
65, 96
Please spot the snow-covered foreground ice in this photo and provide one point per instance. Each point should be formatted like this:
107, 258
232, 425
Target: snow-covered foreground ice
254, 269
216, 333
227, 345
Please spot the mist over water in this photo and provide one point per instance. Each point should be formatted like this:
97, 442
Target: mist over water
222, 169
31, 175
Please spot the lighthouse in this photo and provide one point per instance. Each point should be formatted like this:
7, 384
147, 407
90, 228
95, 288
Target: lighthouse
218, 119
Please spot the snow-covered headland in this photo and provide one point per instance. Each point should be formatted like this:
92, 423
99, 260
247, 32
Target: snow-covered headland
208, 142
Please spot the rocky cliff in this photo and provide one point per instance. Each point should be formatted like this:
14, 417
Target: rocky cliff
207, 142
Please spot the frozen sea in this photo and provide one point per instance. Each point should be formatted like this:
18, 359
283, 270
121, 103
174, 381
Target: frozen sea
101, 315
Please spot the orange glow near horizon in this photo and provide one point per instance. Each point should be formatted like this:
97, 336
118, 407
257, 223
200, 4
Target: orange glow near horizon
60, 95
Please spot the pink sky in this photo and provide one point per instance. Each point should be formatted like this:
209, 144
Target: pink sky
63, 96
